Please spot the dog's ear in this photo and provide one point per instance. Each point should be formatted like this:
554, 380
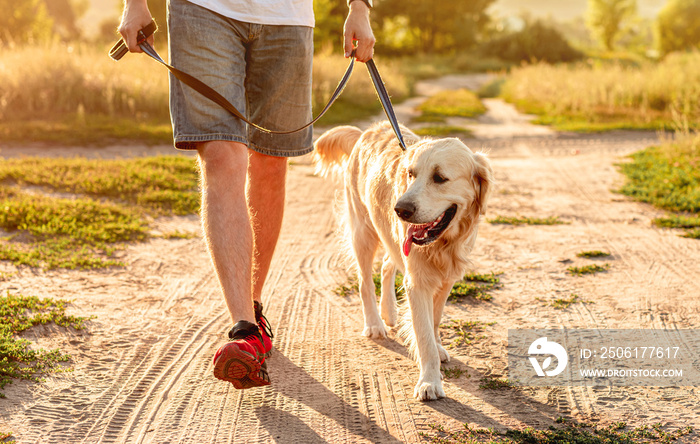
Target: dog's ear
483, 180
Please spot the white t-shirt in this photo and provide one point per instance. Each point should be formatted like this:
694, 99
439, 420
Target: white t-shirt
266, 12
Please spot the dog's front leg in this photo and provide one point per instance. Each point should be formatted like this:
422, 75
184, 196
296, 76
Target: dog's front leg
439, 300
429, 384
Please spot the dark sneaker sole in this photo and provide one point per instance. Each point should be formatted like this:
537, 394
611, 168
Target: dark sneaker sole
240, 368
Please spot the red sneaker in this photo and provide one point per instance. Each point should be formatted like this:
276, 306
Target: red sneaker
265, 330
242, 360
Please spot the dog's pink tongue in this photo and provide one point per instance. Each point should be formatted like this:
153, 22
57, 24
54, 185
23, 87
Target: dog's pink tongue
409, 240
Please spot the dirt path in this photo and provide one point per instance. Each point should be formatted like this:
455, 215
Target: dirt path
142, 371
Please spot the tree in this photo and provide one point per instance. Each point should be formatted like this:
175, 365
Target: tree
330, 16
678, 26
65, 14
536, 41
440, 25
605, 18
23, 21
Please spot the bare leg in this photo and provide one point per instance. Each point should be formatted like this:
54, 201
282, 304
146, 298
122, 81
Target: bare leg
266, 193
226, 222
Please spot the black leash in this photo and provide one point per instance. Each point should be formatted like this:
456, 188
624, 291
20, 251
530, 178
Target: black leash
120, 49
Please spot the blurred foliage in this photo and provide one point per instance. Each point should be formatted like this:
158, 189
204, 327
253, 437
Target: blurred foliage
605, 19
601, 95
535, 42
440, 26
24, 21
678, 26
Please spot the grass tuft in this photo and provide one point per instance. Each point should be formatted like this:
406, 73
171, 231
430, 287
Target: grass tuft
564, 303
19, 313
5, 438
467, 331
522, 220
588, 269
495, 384
592, 254
677, 221
453, 372
477, 286
692, 234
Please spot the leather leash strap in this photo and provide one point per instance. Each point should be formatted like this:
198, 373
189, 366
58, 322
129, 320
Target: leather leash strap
119, 50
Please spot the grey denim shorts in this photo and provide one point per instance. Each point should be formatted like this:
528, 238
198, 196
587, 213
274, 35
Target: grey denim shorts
263, 70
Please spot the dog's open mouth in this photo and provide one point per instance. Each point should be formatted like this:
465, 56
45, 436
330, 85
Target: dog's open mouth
424, 234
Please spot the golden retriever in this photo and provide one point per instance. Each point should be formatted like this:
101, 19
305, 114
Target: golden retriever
423, 205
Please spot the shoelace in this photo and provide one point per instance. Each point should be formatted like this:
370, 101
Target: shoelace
265, 325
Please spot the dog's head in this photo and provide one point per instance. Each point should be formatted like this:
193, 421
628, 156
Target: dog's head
447, 189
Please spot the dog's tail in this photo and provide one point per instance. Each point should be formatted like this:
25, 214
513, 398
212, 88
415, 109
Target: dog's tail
333, 148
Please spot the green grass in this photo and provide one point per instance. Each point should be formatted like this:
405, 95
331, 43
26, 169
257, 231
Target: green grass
453, 372
442, 131
5, 438
467, 332
566, 432
588, 269
564, 303
459, 103
100, 206
602, 96
477, 286
692, 234
677, 221
159, 185
592, 254
18, 313
495, 384
667, 176
522, 220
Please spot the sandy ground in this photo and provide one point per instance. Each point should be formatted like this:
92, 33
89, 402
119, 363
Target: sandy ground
142, 369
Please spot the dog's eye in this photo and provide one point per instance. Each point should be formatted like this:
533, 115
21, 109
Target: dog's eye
438, 178
410, 174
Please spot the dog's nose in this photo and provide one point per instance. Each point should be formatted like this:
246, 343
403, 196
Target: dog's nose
405, 210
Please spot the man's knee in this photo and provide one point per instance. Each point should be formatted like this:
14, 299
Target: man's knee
218, 154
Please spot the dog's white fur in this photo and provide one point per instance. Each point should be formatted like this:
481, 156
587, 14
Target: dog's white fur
376, 174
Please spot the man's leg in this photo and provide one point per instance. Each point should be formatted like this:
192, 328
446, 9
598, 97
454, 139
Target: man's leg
266, 193
226, 222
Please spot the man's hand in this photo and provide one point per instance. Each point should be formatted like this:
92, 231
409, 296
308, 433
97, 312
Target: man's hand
357, 27
135, 17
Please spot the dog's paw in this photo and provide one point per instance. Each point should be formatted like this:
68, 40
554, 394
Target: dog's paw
390, 316
374, 332
444, 356
428, 391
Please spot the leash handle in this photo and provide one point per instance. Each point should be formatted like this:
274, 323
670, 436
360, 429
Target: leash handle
120, 49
